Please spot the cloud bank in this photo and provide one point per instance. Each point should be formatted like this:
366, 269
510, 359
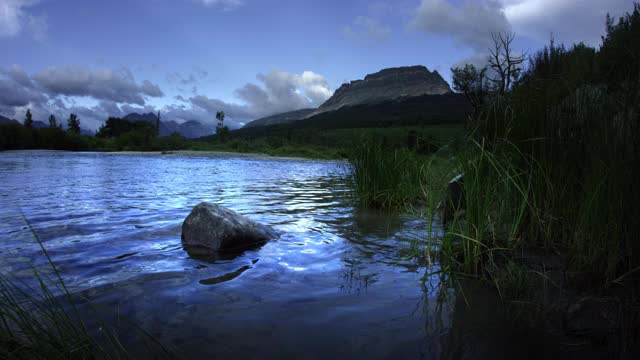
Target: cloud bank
59, 90
471, 22
56, 90
105, 84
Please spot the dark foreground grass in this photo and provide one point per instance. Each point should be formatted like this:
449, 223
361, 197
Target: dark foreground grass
551, 178
555, 163
384, 178
394, 178
551, 191
44, 322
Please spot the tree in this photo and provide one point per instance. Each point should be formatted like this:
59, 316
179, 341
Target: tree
116, 127
74, 123
158, 124
53, 123
503, 62
221, 130
220, 117
28, 119
472, 83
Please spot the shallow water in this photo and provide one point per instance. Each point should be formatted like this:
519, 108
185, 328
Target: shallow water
336, 284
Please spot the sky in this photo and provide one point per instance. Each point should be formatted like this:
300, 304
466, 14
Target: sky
189, 59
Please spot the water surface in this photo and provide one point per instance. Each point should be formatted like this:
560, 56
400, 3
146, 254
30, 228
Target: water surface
336, 284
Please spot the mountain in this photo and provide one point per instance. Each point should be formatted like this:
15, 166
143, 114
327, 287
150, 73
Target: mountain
446, 109
387, 84
6, 120
135, 117
37, 124
384, 86
281, 118
194, 129
190, 129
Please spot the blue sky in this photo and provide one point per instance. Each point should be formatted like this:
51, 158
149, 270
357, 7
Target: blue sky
250, 58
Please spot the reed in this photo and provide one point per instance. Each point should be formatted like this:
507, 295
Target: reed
385, 177
43, 321
554, 163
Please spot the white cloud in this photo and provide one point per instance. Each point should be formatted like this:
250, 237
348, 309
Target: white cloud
97, 94
57, 90
570, 21
278, 92
472, 21
282, 91
222, 4
14, 19
367, 30
103, 84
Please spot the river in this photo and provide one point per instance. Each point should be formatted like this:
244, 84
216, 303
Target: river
338, 283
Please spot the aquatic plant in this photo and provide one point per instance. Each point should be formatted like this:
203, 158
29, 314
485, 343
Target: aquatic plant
384, 177
43, 321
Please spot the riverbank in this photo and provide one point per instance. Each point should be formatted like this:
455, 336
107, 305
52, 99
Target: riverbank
191, 153
211, 154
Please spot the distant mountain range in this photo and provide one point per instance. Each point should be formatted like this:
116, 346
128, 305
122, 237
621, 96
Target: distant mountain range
281, 118
410, 95
190, 129
385, 85
384, 90
447, 109
6, 120
36, 123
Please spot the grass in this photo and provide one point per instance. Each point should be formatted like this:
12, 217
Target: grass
329, 143
44, 322
385, 177
554, 163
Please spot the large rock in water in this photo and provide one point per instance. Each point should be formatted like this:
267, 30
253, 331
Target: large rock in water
454, 201
210, 228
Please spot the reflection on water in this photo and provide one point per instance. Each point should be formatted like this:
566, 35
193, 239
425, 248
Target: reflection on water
333, 285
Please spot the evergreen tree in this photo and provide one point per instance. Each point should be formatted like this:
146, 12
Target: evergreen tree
52, 121
220, 118
158, 125
74, 123
221, 130
28, 119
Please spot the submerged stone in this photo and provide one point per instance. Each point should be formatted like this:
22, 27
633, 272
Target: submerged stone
211, 228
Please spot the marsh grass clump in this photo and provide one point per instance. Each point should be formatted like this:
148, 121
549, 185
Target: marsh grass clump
385, 177
496, 197
44, 321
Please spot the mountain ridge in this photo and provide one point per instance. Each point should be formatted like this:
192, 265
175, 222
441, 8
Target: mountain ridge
281, 118
386, 85
191, 128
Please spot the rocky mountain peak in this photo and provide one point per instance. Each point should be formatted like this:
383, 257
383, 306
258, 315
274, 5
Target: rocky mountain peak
388, 84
